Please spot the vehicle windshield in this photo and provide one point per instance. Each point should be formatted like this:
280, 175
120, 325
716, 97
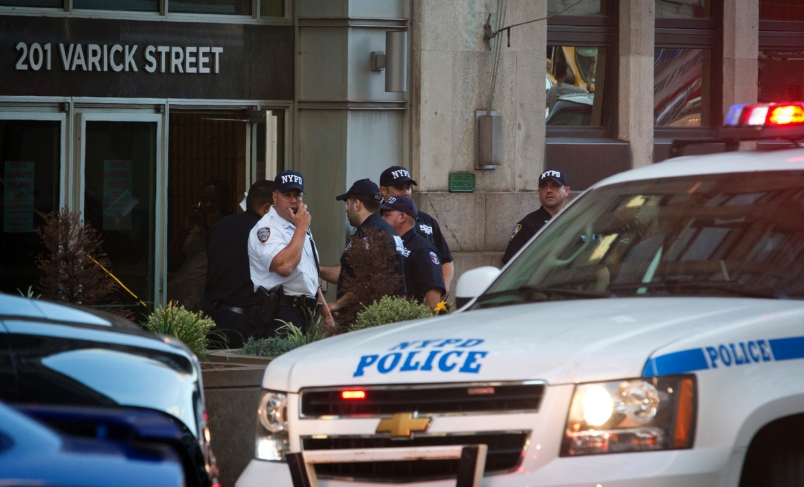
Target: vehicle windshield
719, 235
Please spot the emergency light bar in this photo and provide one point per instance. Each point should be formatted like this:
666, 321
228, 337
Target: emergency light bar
764, 121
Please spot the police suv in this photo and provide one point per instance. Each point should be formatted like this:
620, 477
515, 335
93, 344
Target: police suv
652, 334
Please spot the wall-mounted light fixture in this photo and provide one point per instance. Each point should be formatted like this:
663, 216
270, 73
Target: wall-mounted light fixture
489, 139
394, 60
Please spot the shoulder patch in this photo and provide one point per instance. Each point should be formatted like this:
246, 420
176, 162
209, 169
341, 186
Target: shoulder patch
263, 234
517, 228
434, 258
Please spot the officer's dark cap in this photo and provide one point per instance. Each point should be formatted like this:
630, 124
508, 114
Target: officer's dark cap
554, 174
287, 181
401, 203
365, 187
396, 176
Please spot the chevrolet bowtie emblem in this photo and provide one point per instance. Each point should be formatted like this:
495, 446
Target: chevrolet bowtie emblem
403, 425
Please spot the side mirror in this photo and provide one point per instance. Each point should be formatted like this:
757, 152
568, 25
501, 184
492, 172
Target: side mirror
472, 284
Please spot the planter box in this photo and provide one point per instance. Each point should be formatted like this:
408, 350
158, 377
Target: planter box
232, 390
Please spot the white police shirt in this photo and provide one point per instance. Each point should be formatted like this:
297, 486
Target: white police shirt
268, 237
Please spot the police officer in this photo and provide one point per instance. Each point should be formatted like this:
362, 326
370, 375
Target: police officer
396, 181
229, 297
363, 201
423, 277
284, 261
553, 193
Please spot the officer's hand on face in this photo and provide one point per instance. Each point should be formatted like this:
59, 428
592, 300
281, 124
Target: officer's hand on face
302, 217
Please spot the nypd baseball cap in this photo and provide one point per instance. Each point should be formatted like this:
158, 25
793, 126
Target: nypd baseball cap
555, 175
401, 203
287, 181
396, 176
365, 187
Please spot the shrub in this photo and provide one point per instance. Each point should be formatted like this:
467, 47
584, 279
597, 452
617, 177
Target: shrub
289, 336
73, 263
390, 309
266, 347
194, 329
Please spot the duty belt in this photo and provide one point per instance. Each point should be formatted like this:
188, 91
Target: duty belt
233, 309
308, 302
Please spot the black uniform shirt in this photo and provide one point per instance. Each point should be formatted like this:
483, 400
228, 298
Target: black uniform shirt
524, 230
228, 272
372, 221
422, 266
427, 227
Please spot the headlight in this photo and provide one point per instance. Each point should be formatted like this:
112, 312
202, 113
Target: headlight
272, 427
645, 414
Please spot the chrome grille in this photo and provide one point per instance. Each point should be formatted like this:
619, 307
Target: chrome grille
429, 399
505, 450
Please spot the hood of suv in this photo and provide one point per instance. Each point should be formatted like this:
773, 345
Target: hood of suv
559, 342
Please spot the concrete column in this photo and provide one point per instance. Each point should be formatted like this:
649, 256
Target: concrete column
347, 127
740, 51
635, 118
453, 76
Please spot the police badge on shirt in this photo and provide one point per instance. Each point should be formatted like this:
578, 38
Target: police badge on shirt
517, 228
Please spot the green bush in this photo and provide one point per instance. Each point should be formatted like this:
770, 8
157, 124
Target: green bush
266, 347
289, 336
194, 329
390, 309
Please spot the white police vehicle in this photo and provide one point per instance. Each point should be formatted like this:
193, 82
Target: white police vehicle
653, 334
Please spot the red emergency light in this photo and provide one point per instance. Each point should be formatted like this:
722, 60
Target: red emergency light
765, 115
353, 395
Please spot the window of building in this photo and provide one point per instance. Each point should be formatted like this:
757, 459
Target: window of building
781, 10
781, 51
267, 9
687, 66
683, 9
30, 154
581, 42
211, 7
119, 5
32, 3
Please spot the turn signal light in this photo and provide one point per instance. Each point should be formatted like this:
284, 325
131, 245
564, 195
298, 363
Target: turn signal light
353, 395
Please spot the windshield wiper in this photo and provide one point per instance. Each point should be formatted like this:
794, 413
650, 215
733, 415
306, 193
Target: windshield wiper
729, 287
530, 294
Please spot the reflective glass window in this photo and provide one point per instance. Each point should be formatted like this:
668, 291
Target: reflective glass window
32, 3
787, 10
212, 7
272, 8
780, 76
682, 87
124, 5
574, 75
683, 9
575, 7
29, 189
119, 201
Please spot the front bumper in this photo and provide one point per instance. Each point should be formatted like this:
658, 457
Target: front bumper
679, 468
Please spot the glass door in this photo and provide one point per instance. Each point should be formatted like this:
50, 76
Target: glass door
120, 155
32, 165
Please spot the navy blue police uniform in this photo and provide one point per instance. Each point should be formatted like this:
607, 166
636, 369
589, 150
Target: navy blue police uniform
524, 230
533, 221
422, 266
229, 297
426, 225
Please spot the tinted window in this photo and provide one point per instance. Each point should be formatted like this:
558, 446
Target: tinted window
711, 235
